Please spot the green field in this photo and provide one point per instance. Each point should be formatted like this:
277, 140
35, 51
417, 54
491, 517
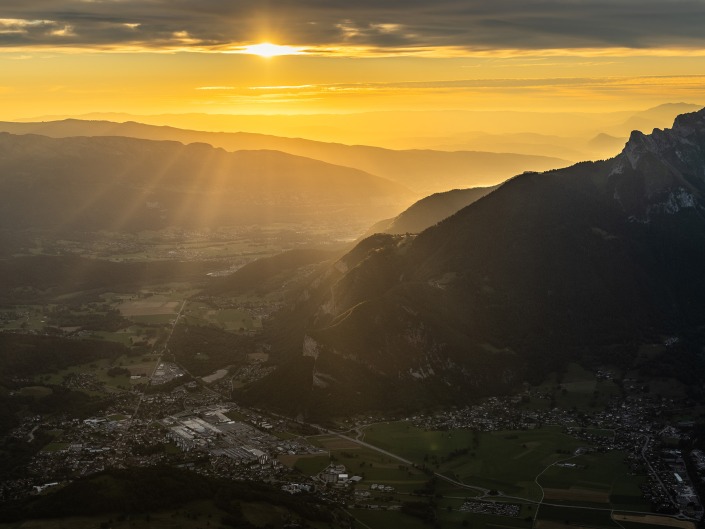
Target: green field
413, 443
508, 461
154, 319
311, 465
226, 319
236, 416
375, 469
367, 463
35, 391
137, 365
503, 460
23, 317
598, 478
576, 517
132, 335
55, 447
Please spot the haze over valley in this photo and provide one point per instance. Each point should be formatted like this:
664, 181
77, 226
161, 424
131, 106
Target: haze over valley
352, 266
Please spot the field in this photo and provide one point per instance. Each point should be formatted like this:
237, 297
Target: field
35, 391
55, 447
506, 461
149, 307
653, 520
576, 494
309, 465
512, 462
22, 317
98, 371
596, 479
551, 517
226, 319
358, 460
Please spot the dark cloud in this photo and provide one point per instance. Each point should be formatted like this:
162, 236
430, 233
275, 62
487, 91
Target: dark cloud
384, 24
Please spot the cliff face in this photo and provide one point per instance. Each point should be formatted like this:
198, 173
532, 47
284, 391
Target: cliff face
663, 172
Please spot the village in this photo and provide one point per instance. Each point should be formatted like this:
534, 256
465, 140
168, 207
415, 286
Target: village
634, 425
192, 426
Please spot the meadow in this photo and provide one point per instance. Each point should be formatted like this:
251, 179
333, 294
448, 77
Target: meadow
521, 465
506, 461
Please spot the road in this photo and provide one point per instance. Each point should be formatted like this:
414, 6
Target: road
159, 358
395, 456
486, 496
363, 443
543, 494
30, 435
647, 440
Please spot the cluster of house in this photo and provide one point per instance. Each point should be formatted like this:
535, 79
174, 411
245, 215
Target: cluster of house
337, 475
296, 488
626, 423
494, 413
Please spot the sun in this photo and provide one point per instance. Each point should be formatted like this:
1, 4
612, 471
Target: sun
267, 49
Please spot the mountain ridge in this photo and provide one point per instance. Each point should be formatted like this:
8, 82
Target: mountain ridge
429, 211
418, 169
97, 181
548, 269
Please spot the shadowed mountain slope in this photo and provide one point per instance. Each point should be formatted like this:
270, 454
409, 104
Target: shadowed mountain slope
580, 264
430, 210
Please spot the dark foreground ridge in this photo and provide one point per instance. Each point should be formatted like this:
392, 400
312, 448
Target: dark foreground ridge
585, 264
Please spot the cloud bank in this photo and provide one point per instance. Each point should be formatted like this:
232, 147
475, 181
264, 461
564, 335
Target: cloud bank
391, 26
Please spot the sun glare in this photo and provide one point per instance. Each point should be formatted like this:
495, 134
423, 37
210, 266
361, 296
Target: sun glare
267, 49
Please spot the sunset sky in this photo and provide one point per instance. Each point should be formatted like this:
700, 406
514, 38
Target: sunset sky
71, 57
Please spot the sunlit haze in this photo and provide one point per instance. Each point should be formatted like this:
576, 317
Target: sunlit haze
267, 49
148, 59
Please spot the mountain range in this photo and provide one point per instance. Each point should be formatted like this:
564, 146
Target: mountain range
118, 183
584, 264
550, 133
423, 171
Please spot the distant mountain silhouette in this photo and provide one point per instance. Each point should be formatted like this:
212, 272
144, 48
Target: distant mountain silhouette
606, 142
582, 264
644, 120
118, 183
423, 171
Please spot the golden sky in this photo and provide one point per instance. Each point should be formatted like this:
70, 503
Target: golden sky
72, 57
